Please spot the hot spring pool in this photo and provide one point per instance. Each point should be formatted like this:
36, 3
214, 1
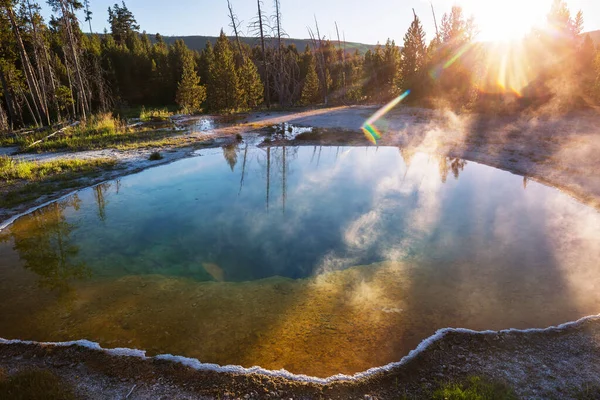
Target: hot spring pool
318, 260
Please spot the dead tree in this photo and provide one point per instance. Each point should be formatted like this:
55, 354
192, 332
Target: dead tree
88, 14
72, 56
234, 24
6, 90
4, 126
42, 59
342, 60
437, 33
258, 28
280, 73
317, 43
32, 79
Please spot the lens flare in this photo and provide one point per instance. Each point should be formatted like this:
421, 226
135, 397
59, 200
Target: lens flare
436, 71
462, 50
369, 129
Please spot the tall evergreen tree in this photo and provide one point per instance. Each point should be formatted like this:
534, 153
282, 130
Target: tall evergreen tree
251, 87
224, 86
190, 94
310, 91
455, 75
122, 22
414, 54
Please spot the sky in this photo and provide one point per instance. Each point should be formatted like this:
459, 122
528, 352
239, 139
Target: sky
369, 21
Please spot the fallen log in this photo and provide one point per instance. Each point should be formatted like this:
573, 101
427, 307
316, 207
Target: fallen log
54, 133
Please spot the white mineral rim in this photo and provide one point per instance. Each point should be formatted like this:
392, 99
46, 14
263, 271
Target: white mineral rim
282, 373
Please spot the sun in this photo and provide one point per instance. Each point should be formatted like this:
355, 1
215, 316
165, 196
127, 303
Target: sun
505, 20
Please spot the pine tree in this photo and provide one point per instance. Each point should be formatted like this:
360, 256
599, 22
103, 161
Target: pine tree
454, 58
310, 91
207, 58
596, 90
224, 86
122, 22
190, 94
585, 68
391, 71
251, 87
414, 55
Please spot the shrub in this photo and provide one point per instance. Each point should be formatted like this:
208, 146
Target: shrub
155, 156
154, 114
474, 389
35, 384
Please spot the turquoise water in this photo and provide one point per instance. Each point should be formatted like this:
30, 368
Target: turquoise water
253, 213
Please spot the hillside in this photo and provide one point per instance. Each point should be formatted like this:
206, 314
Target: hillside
199, 42
595, 35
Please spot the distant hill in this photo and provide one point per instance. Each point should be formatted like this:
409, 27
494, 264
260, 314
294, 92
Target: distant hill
595, 35
199, 42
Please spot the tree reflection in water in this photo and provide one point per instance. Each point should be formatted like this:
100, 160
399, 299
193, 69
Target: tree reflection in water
43, 242
447, 164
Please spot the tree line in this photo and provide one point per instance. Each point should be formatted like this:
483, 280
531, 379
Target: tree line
58, 70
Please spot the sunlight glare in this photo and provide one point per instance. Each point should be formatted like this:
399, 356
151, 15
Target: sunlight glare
502, 20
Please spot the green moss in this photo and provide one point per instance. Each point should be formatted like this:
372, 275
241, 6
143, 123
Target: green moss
34, 385
474, 388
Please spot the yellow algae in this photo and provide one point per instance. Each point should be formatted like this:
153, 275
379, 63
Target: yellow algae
344, 321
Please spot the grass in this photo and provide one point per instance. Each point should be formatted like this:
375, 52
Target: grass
24, 181
587, 392
100, 131
35, 384
11, 169
474, 388
142, 112
154, 114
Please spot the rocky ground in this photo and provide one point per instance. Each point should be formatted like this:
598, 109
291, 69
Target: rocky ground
557, 363
563, 152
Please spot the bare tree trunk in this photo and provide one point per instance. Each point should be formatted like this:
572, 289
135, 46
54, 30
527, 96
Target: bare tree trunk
88, 14
437, 33
81, 89
51, 77
264, 54
40, 47
29, 73
280, 67
4, 124
103, 90
320, 61
26, 101
342, 60
8, 99
234, 25
69, 77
